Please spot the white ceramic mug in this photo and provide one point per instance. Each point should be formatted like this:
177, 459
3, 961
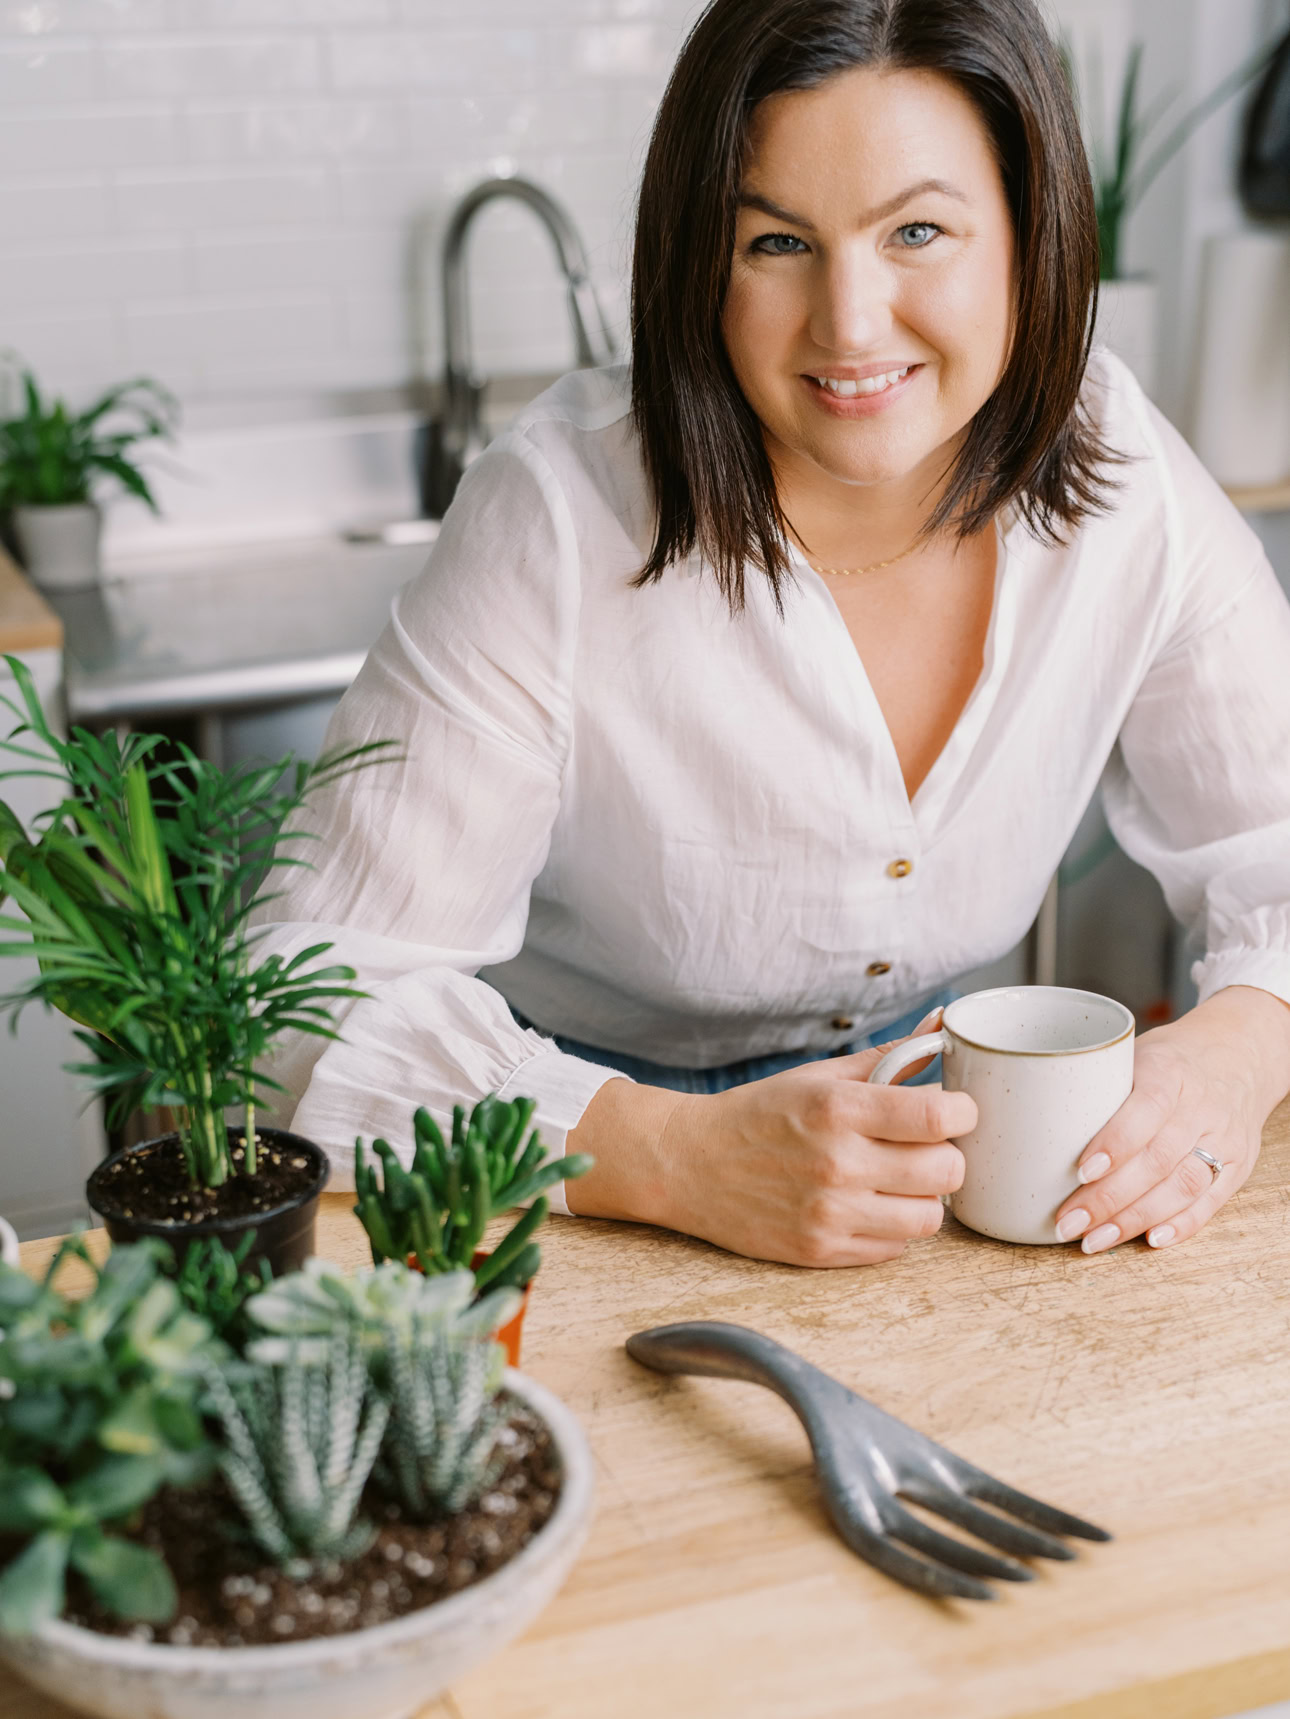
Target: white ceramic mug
1047, 1067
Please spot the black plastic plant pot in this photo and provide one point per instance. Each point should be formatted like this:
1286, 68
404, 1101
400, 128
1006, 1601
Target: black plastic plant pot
284, 1228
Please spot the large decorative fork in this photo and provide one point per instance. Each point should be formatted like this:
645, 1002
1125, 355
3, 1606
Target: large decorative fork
868, 1461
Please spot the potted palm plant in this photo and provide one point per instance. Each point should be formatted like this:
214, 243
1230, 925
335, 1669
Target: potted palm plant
134, 895
342, 1517
432, 1214
52, 459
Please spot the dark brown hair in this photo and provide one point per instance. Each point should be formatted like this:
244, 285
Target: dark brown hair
1030, 444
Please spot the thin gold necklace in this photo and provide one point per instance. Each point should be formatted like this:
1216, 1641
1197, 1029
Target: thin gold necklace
848, 572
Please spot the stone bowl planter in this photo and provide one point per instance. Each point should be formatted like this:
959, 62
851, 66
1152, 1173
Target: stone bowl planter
387, 1672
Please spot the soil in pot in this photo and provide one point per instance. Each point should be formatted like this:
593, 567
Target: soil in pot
145, 1191
230, 1597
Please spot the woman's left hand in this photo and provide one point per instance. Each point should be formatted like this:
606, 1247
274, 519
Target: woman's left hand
1209, 1080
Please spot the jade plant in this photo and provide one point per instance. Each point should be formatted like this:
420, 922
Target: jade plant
51, 456
435, 1211
98, 1410
135, 894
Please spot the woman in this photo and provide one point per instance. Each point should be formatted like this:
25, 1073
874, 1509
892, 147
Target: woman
744, 711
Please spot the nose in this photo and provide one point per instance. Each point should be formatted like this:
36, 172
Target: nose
852, 310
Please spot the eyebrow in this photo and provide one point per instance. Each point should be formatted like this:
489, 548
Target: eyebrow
755, 200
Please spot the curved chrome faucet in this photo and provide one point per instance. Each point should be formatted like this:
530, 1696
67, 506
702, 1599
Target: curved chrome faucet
455, 438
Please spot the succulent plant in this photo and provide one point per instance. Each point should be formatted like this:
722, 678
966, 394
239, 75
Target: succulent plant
303, 1311
435, 1211
300, 1439
440, 1449
98, 1410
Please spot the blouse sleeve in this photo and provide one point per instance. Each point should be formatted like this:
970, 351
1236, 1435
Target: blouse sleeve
1198, 790
421, 871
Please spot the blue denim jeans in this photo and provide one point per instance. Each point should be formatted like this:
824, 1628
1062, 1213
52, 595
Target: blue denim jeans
751, 1068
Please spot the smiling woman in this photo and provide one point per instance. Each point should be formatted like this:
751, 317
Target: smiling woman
750, 697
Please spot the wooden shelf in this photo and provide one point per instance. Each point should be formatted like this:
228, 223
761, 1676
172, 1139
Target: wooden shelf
1269, 498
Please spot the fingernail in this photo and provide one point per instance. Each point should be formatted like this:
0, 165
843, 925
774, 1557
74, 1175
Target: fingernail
1161, 1236
1072, 1225
1098, 1240
929, 1021
1096, 1166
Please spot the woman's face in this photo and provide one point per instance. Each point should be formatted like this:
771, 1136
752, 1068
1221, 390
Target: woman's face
869, 311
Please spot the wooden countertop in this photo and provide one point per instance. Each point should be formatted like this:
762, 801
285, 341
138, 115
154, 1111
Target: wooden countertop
27, 623
1148, 1392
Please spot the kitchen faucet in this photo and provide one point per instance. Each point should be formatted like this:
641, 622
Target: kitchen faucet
453, 439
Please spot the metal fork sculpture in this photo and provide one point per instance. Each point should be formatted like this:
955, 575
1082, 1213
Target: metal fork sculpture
868, 1461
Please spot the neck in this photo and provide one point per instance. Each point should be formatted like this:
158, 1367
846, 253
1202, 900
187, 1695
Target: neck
850, 524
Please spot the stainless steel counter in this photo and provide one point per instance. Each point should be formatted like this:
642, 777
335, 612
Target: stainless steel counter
226, 628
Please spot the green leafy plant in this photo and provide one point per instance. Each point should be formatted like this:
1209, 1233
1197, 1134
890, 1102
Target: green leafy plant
52, 457
436, 1210
1125, 168
99, 1408
300, 1439
136, 892
212, 1284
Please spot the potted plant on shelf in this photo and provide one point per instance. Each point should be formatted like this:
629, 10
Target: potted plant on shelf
51, 460
135, 894
372, 1504
433, 1213
1124, 170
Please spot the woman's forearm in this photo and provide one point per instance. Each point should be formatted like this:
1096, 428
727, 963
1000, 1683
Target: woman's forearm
1257, 1026
629, 1130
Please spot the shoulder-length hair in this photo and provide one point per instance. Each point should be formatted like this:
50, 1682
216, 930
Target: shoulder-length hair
1030, 444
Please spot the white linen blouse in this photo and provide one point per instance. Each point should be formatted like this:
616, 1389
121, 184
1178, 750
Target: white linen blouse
673, 832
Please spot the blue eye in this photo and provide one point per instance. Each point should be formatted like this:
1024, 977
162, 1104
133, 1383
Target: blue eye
777, 245
917, 235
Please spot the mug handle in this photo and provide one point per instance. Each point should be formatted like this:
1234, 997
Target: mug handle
913, 1050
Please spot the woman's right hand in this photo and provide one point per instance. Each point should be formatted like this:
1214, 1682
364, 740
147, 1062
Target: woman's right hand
811, 1167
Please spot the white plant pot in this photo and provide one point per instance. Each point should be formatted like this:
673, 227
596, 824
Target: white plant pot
1128, 314
8, 1243
1241, 427
386, 1672
60, 545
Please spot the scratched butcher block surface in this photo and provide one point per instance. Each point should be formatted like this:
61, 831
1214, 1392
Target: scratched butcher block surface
1149, 1392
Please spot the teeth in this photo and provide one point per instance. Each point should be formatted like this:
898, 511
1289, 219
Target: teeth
847, 389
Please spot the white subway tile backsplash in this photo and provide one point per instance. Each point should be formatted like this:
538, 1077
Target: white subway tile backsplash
181, 68
36, 70
55, 275
194, 200
324, 129
250, 195
51, 209
63, 141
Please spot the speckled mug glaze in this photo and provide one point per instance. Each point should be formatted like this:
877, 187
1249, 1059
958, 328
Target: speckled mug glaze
1047, 1067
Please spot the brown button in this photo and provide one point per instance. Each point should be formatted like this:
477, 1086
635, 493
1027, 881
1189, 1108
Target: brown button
876, 969
900, 868
842, 1023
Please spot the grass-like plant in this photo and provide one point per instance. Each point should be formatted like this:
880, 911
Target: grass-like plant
51, 456
98, 1409
1125, 167
436, 1210
135, 892
214, 1283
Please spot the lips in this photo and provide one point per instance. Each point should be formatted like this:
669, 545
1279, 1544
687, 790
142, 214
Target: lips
860, 396
853, 387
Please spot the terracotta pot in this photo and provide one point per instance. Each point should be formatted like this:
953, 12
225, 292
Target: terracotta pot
387, 1672
509, 1334
284, 1234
